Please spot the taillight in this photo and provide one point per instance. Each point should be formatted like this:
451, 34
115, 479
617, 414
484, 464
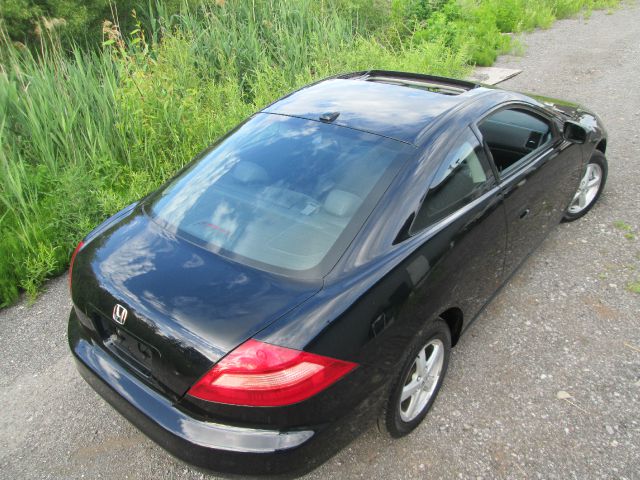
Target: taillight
264, 375
73, 259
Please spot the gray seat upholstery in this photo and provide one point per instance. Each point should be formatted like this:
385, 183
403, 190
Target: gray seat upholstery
249, 172
341, 203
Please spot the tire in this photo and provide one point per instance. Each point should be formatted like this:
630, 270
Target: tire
586, 196
400, 417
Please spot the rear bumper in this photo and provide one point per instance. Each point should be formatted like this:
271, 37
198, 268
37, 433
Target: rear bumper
212, 446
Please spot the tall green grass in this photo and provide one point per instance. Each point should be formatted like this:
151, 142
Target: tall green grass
85, 133
481, 26
60, 149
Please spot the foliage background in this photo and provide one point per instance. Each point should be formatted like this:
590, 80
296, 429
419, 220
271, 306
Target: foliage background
95, 114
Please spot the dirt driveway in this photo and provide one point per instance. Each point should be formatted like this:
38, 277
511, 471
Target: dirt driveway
546, 384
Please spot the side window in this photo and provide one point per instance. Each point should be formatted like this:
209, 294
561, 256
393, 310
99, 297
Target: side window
512, 134
463, 176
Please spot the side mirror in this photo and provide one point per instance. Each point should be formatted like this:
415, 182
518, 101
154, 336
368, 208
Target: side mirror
574, 132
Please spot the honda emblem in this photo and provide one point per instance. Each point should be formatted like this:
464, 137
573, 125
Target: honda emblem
119, 314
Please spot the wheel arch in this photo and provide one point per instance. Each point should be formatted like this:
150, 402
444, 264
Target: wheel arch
453, 317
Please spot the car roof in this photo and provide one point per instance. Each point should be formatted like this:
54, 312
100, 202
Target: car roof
392, 104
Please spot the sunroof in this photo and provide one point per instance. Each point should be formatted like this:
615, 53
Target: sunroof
419, 81
421, 85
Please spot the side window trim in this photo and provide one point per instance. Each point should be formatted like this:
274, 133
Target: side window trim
492, 186
418, 236
487, 152
529, 163
531, 157
493, 180
526, 162
520, 105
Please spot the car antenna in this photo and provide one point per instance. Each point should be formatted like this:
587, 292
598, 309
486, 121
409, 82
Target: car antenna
329, 116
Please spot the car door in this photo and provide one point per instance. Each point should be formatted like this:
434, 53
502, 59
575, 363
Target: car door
463, 206
535, 171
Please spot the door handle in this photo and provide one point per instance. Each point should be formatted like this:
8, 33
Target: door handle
524, 213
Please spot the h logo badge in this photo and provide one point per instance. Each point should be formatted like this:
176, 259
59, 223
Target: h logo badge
119, 314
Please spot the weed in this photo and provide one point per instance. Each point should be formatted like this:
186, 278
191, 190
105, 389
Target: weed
624, 226
629, 234
634, 287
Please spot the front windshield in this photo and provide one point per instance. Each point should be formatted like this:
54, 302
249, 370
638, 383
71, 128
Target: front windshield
280, 191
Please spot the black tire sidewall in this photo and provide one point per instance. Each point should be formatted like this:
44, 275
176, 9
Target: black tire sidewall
394, 425
598, 158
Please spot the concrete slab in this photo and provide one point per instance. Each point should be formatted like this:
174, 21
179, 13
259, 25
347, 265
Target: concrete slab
492, 75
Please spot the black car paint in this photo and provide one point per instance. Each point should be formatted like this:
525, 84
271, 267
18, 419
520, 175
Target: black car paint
131, 263
189, 307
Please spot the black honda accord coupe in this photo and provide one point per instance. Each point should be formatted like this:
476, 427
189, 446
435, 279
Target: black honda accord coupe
309, 273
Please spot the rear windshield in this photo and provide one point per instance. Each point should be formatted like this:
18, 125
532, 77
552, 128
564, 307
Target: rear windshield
280, 192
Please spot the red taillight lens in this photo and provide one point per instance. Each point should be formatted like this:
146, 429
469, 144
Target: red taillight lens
73, 259
264, 375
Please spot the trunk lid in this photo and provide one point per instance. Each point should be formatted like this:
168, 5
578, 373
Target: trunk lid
186, 307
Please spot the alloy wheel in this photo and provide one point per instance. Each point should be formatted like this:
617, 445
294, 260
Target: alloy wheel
421, 380
587, 190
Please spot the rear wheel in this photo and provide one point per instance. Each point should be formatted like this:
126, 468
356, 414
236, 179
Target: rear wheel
590, 188
419, 380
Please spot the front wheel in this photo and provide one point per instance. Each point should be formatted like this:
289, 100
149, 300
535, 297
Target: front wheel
419, 380
590, 188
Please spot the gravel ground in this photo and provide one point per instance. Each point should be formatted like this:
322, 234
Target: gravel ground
546, 384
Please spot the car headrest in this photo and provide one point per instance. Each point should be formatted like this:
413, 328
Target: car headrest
341, 203
249, 172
